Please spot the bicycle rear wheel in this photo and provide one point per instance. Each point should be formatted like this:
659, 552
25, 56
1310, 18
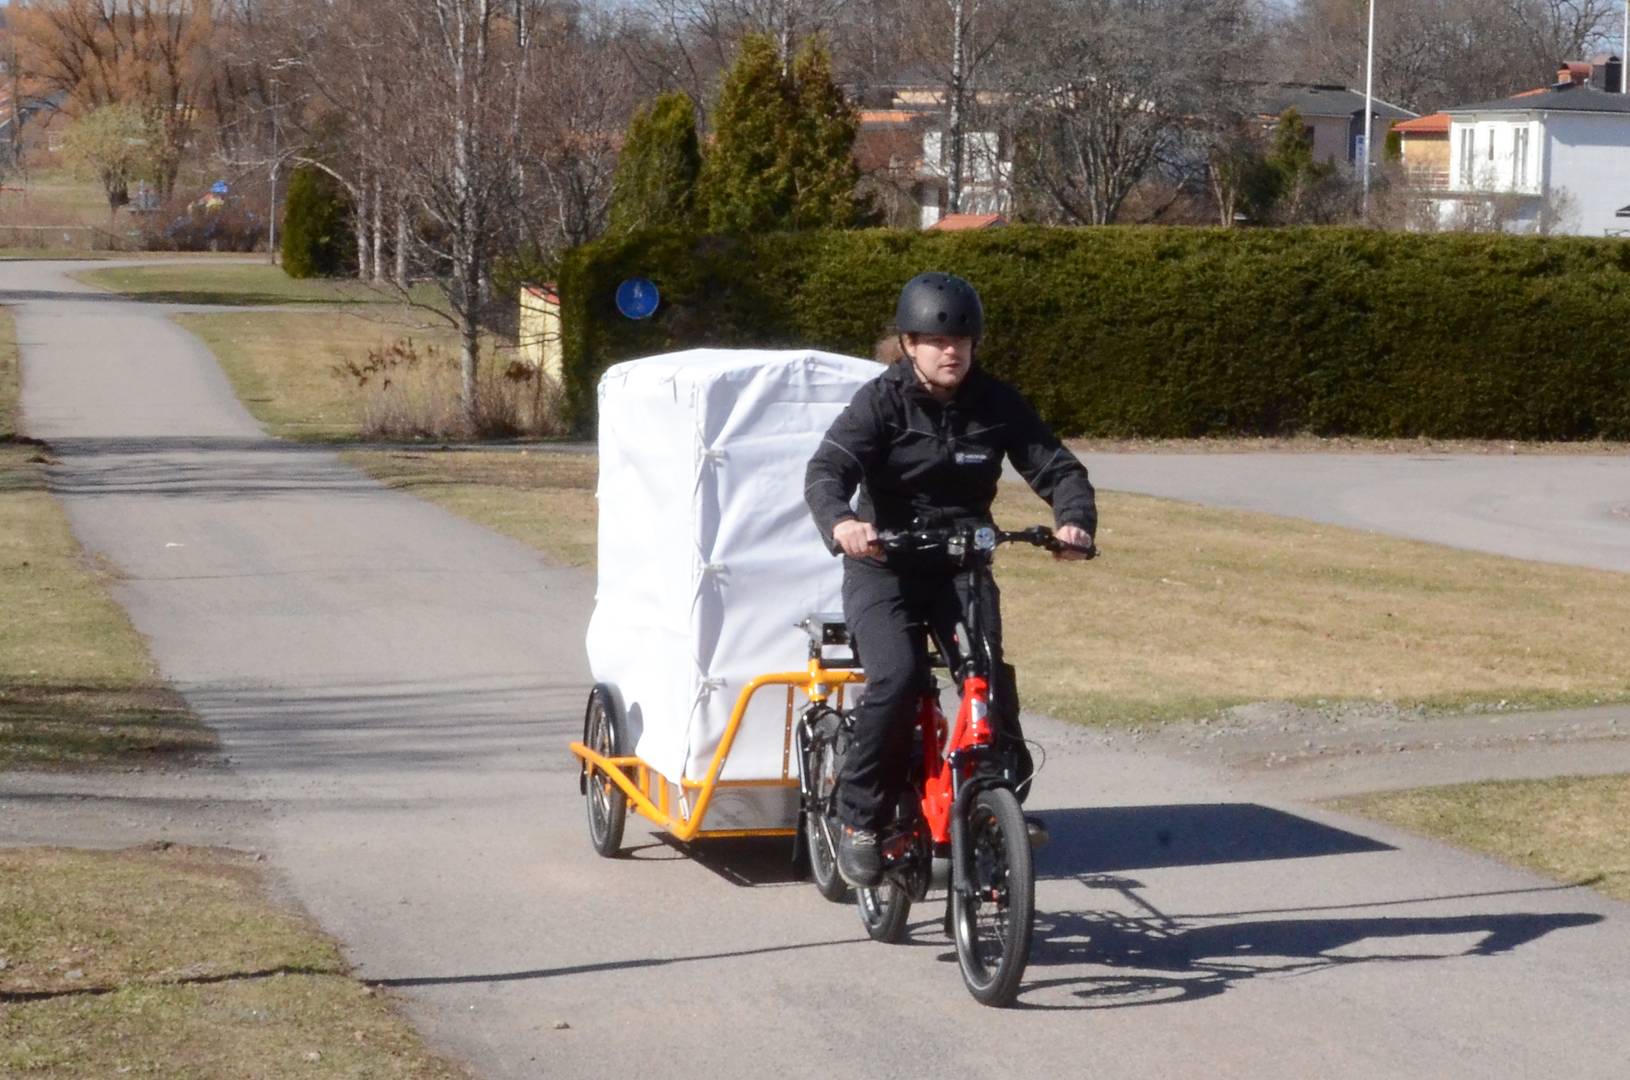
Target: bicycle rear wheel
820, 827
883, 911
992, 927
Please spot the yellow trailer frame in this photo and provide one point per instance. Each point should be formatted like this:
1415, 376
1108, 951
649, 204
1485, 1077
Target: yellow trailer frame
683, 821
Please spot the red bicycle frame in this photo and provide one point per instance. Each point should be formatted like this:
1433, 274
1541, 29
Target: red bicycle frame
941, 746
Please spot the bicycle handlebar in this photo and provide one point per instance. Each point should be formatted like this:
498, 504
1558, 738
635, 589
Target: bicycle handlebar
958, 540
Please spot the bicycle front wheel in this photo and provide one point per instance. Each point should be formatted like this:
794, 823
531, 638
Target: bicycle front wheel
992, 926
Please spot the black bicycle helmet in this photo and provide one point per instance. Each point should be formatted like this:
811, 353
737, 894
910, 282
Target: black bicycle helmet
935, 303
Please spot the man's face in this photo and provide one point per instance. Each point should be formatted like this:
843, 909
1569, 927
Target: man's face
941, 362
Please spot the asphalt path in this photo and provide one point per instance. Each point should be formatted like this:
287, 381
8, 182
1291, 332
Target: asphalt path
1572, 509
395, 689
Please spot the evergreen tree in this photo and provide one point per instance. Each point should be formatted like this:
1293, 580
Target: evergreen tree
317, 237
658, 168
1292, 176
783, 145
746, 183
822, 145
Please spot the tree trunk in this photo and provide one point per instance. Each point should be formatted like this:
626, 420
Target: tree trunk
360, 215
378, 231
469, 356
401, 242
953, 184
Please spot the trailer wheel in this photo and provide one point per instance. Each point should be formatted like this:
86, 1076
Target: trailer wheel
607, 803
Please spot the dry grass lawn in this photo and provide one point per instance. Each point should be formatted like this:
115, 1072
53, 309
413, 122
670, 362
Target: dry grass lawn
247, 284
1570, 828
298, 372
540, 497
170, 963
1192, 610
76, 684
284, 365
56, 197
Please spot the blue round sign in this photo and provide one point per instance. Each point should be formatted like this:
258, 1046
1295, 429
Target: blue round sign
637, 298
219, 188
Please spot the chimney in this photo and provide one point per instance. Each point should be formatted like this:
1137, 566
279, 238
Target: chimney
1573, 73
1613, 75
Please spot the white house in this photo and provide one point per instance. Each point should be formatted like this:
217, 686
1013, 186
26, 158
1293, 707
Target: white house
1555, 160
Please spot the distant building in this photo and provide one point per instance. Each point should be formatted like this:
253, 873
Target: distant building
968, 222
1424, 146
1550, 160
904, 153
1333, 114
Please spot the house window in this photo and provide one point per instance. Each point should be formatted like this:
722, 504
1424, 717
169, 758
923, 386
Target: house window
1519, 171
934, 150
1491, 146
1466, 137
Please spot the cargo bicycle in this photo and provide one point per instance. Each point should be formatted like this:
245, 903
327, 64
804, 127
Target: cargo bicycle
962, 828
962, 819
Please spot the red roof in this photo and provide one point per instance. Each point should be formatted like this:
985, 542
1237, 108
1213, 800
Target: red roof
1436, 124
886, 116
958, 222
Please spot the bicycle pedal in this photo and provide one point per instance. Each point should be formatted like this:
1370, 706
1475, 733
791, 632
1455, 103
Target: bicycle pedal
1036, 831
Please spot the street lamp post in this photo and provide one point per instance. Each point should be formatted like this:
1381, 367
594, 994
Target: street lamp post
271, 217
282, 63
1369, 108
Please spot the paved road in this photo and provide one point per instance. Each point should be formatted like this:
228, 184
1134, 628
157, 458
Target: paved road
1565, 509
395, 688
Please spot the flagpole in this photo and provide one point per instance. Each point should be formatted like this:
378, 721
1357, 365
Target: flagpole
1369, 107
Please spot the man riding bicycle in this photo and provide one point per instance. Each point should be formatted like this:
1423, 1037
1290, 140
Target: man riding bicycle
924, 443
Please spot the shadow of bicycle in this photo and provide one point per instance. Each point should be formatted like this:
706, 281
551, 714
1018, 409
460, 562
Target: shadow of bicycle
1154, 958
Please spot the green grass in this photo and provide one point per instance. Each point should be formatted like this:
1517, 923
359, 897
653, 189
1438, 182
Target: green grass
1193, 610
171, 963
1569, 828
76, 684
243, 284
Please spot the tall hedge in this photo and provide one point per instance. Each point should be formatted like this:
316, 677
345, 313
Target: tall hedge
1172, 332
317, 239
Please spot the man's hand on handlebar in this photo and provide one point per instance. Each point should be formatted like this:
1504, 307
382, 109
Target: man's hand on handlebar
857, 538
1076, 537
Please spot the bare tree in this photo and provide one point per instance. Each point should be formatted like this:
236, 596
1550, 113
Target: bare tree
1120, 88
150, 54
687, 44
576, 104
1430, 54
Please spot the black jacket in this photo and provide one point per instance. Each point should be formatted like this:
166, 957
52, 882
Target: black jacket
913, 458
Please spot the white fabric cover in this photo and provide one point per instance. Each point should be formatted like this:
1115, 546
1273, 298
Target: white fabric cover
707, 554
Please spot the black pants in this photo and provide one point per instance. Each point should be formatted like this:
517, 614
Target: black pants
887, 613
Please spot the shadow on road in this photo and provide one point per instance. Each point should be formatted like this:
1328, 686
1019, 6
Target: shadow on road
1096, 840
224, 468
1154, 958
608, 965
31, 296
1099, 839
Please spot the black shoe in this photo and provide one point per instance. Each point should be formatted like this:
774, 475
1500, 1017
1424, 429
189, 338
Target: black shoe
859, 861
